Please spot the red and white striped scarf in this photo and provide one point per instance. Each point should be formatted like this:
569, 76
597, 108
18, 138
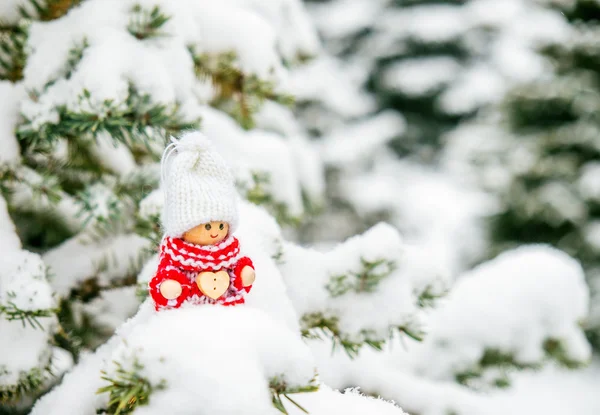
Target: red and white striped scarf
191, 257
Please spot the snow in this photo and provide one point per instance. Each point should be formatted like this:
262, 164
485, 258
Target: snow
9, 10
277, 118
83, 257
24, 282
308, 273
112, 307
589, 181
9, 240
427, 23
351, 144
548, 391
592, 234
309, 165
9, 115
433, 211
241, 345
562, 201
330, 82
83, 380
200, 376
345, 18
352, 402
501, 40
217, 360
161, 67
498, 305
473, 88
477, 153
113, 155
513, 314
296, 35
422, 76
23, 286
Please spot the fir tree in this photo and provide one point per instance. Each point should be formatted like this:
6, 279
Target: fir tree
553, 197
437, 62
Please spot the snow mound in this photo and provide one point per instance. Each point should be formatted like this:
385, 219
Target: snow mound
213, 359
24, 292
374, 274
514, 305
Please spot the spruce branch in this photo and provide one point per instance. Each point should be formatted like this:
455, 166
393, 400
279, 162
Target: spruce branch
259, 194
279, 388
46, 10
318, 325
502, 362
429, 296
145, 23
12, 313
13, 55
149, 228
555, 350
364, 281
126, 122
44, 186
246, 91
127, 389
28, 384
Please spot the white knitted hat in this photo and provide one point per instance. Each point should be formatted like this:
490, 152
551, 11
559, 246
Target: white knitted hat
197, 184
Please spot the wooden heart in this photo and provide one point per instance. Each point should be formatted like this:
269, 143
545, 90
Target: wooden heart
213, 284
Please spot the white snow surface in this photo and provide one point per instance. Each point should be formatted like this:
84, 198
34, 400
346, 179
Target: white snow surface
422, 76
23, 286
430, 208
352, 402
549, 391
351, 144
9, 10
83, 257
226, 357
10, 95
332, 83
307, 273
502, 39
500, 305
589, 182
227, 348
260, 34
9, 241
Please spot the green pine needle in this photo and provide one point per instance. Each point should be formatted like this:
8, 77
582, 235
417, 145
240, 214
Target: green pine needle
365, 280
127, 389
145, 23
12, 313
279, 388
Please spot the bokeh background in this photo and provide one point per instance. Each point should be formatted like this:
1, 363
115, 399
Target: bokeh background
472, 127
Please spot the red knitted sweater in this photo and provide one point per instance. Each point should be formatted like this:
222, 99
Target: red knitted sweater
182, 261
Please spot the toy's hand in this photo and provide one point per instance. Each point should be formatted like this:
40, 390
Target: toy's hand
170, 289
248, 276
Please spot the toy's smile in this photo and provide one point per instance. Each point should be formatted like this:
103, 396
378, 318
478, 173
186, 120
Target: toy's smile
214, 236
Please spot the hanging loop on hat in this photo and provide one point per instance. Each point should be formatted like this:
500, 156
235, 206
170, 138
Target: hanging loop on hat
169, 150
194, 141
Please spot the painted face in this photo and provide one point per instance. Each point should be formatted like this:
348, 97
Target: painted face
207, 234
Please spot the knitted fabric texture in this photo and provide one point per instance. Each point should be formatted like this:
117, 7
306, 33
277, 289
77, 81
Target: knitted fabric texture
182, 261
198, 186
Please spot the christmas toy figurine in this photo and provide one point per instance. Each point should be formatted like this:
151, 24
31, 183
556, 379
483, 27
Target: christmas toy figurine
200, 260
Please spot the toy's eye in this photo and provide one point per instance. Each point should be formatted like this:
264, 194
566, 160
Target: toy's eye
221, 226
207, 226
